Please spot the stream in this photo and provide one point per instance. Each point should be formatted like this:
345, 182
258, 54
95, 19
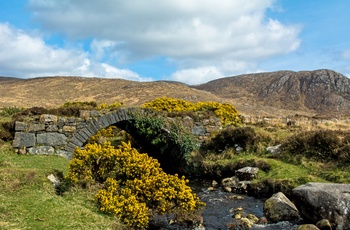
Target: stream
217, 215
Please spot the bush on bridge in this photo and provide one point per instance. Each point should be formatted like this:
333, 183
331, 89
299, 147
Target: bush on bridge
134, 183
166, 139
226, 112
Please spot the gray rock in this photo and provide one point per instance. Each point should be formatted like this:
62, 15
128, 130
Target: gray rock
52, 139
280, 208
36, 127
307, 227
232, 184
274, 149
41, 150
229, 182
330, 201
324, 224
20, 126
94, 113
247, 173
55, 181
23, 140
65, 154
52, 128
198, 131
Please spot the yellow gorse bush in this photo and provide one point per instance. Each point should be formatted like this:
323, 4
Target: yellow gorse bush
133, 183
226, 112
110, 106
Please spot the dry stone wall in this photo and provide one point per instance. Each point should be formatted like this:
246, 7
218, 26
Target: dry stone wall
50, 134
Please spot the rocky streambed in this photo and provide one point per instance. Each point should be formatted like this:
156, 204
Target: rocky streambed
323, 204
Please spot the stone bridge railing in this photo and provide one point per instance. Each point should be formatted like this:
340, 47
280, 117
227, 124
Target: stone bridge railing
50, 134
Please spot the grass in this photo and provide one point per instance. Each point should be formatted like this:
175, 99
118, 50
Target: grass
28, 199
277, 173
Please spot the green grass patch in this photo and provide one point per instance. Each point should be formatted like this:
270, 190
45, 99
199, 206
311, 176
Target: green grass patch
28, 199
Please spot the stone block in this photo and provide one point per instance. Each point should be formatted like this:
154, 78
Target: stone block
103, 122
111, 119
36, 127
48, 119
20, 126
94, 113
52, 128
85, 114
52, 139
69, 129
41, 150
76, 141
22, 139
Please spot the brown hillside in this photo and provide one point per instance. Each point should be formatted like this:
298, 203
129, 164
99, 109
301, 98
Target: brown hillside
321, 91
54, 91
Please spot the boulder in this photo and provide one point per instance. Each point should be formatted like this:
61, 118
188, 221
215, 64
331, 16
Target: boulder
324, 224
280, 208
275, 150
307, 227
229, 183
330, 201
233, 184
247, 173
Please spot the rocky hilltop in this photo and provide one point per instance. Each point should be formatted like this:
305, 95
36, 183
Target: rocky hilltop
319, 91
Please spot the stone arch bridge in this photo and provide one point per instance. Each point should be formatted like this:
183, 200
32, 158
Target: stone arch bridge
54, 135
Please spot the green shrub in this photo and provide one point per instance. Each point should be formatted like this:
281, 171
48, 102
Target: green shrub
165, 139
231, 137
322, 145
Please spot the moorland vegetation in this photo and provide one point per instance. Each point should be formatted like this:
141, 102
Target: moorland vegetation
117, 178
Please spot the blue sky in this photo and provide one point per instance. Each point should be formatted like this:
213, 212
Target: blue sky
192, 41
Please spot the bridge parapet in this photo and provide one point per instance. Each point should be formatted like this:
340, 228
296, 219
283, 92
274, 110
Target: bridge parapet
50, 134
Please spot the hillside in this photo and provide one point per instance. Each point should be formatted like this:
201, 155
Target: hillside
320, 91
54, 91
276, 93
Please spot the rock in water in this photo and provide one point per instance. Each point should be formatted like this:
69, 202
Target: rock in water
280, 208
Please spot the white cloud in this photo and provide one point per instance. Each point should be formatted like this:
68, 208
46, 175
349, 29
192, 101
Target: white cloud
193, 34
24, 54
197, 75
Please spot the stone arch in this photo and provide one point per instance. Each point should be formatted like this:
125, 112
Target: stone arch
94, 125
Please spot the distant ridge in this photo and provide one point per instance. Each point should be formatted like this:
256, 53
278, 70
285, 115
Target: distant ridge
320, 91
323, 92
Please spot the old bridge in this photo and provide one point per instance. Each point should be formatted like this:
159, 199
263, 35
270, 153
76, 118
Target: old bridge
55, 135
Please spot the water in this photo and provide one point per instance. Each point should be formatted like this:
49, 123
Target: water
217, 215
217, 211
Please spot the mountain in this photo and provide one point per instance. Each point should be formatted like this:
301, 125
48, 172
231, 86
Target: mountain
320, 91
